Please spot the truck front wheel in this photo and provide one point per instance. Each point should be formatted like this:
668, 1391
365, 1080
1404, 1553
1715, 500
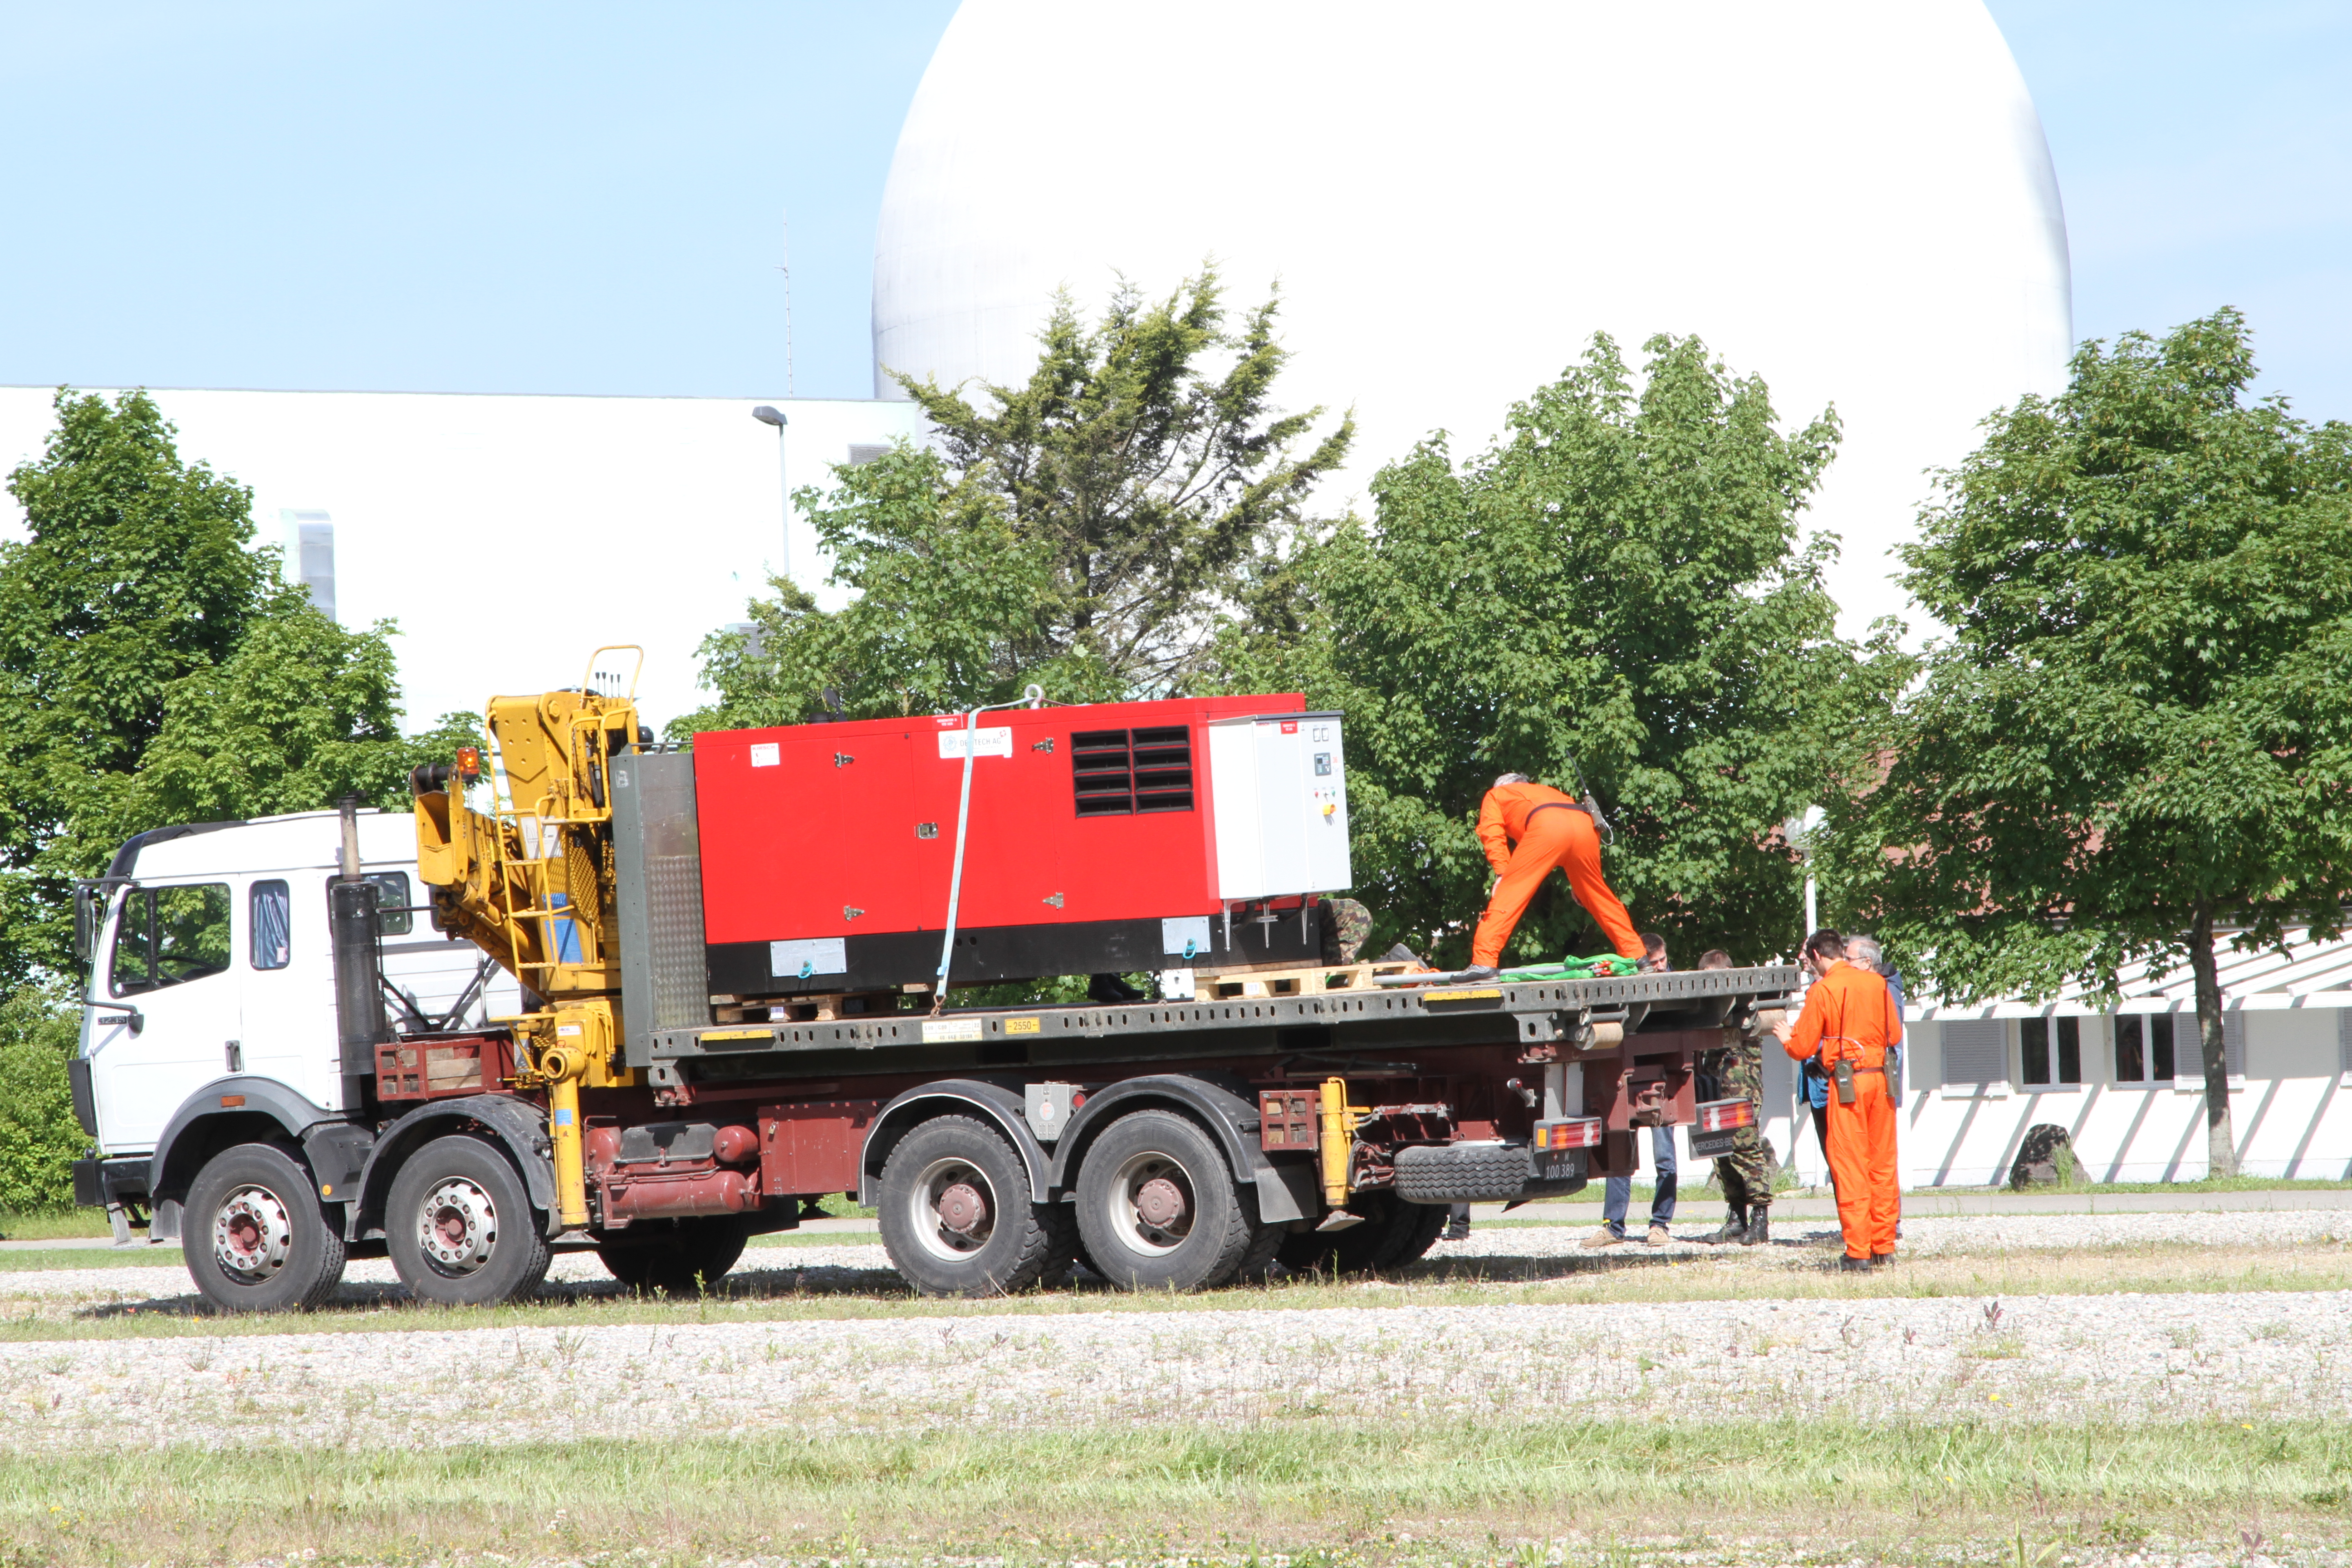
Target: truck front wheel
460, 1229
956, 1217
1158, 1210
255, 1237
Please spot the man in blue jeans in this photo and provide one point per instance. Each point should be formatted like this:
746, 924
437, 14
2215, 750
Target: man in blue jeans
1617, 1197
1617, 1192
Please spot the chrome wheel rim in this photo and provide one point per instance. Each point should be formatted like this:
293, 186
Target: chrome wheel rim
1152, 1203
952, 1209
252, 1235
458, 1227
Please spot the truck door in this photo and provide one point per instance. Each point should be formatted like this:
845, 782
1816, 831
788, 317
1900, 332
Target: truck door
169, 958
285, 968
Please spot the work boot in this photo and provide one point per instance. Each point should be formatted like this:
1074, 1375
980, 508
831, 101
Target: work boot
1735, 1227
1659, 1235
1759, 1226
1881, 1260
1456, 1230
1476, 971
1849, 1265
1605, 1237
1111, 988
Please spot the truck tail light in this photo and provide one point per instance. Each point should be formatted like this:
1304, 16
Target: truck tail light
1584, 1132
1723, 1115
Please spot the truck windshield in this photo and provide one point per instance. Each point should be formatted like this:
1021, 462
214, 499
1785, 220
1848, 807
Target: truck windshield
169, 936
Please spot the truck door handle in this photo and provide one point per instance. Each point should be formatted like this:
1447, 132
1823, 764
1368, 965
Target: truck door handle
233, 1051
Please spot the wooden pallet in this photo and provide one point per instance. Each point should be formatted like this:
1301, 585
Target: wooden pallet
1294, 980
818, 1007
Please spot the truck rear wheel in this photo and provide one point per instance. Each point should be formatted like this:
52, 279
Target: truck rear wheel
956, 1217
1393, 1234
460, 1227
686, 1259
1158, 1208
255, 1237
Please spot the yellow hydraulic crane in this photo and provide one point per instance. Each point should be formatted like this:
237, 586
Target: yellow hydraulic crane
519, 856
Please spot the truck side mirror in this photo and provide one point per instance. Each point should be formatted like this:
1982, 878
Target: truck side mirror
85, 922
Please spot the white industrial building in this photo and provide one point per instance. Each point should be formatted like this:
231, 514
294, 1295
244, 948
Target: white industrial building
2126, 1081
510, 535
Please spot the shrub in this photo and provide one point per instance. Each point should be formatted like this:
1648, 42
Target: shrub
38, 1136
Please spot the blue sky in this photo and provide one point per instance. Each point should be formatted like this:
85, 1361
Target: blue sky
592, 199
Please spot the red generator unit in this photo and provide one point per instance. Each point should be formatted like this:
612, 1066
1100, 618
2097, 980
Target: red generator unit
1119, 837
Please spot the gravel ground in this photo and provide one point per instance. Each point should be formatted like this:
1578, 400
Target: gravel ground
159, 1280
2049, 1358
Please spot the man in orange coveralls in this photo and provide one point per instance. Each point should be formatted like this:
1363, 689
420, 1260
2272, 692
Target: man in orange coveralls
1550, 829
1848, 1022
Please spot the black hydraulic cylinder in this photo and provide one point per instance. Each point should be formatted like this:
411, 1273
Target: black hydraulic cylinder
359, 985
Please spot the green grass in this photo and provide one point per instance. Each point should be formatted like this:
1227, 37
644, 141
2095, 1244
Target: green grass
1403, 1492
57, 1225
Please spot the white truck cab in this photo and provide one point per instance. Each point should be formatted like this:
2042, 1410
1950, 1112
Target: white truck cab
210, 958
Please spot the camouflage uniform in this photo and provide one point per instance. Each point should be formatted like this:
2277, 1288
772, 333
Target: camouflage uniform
1345, 924
1745, 1173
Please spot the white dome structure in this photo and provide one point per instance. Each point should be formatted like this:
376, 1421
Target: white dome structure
1849, 198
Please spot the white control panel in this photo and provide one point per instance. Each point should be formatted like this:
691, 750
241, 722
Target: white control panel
1279, 785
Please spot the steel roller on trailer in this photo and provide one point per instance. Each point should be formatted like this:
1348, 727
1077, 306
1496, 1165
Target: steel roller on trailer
727, 969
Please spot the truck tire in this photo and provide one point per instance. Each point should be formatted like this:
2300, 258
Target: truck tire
683, 1260
460, 1227
1393, 1234
1472, 1173
1158, 1208
956, 1217
255, 1237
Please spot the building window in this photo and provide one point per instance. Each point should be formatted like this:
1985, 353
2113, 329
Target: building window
1975, 1052
2051, 1051
2144, 1051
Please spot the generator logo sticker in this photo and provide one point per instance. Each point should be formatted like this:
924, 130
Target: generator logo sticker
994, 741
1290, 726
767, 755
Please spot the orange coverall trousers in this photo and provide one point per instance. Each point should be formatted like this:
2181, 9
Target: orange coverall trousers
1567, 839
1862, 1165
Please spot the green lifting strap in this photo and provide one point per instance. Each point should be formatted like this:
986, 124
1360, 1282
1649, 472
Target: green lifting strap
1599, 966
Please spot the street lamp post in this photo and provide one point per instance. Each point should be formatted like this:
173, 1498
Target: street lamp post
768, 415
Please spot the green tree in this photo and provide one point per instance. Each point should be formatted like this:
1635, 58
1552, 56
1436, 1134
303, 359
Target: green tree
2136, 736
1617, 594
1087, 529
154, 668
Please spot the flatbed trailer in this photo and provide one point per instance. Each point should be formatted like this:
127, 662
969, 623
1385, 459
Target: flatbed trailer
1161, 1144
